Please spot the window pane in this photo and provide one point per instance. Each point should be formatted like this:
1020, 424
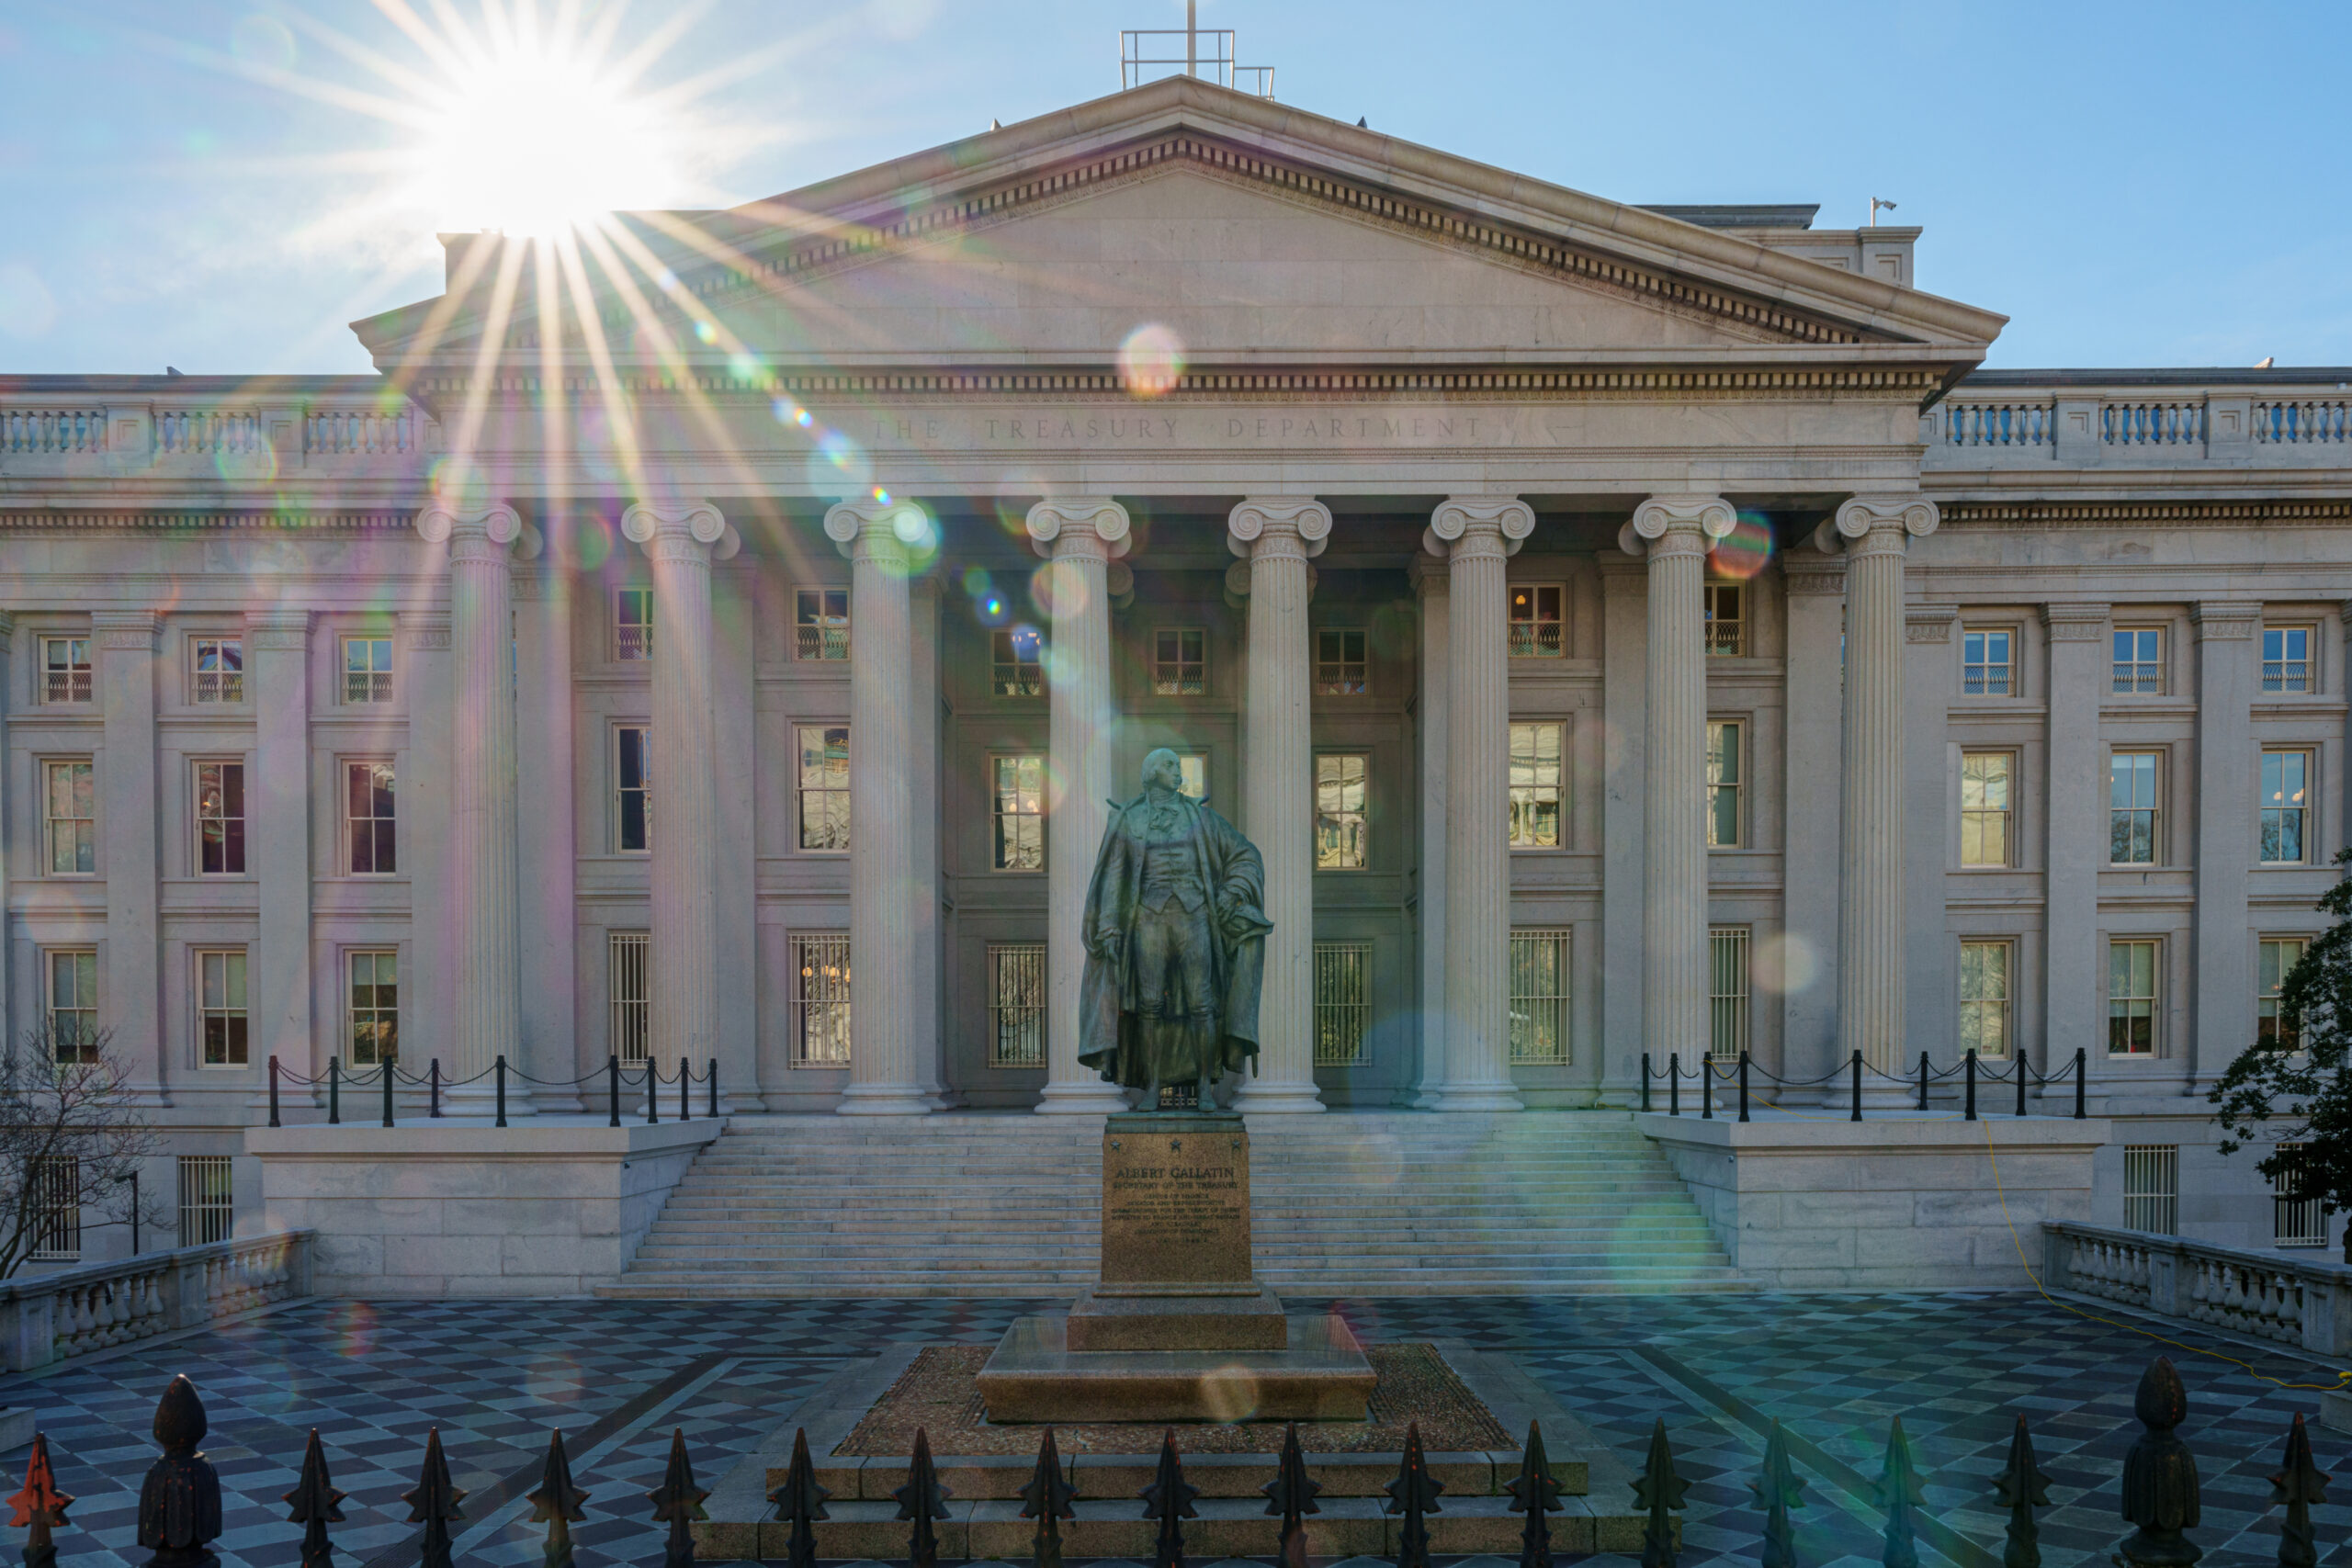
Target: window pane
1340, 829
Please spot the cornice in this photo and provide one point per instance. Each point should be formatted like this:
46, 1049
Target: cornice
2040, 514
194, 520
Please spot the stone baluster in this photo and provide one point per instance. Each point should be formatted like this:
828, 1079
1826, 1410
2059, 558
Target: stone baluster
885, 1078
1676, 533
1277, 535
1079, 534
1476, 535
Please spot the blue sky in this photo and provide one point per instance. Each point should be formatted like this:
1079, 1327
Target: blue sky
215, 185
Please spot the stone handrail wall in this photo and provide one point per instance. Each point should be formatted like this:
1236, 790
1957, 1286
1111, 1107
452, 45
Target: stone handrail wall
54, 1317
2096, 426
2303, 1302
53, 430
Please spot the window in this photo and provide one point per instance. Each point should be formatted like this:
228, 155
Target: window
1340, 670
219, 675
820, 624
1534, 786
633, 624
375, 1018
1195, 768
1726, 604
632, 788
69, 804
2287, 659
1985, 663
2140, 659
820, 1024
1536, 620
2286, 799
2278, 958
208, 1199
57, 1210
2295, 1220
1985, 996
1017, 1004
1539, 998
1014, 670
630, 982
824, 787
1018, 807
368, 826
2131, 998
1340, 836
221, 1008
366, 670
220, 818
1726, 991
2132, 809
1723, 786
1985, 808
1343, 1002
72, 976
2151, 1188
65, 670
1180, 663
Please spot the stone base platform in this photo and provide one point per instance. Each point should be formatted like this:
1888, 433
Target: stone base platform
1251, 1320
1320, 1375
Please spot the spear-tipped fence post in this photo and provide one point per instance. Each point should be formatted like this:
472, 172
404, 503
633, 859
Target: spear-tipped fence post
334, 1091
433, 1503
800, 1503
1535, 1493
713, 1088
685, 1084
2079, 1083
557, 1504
1657, 1493
272, 1091
1646, 1080
1858, 1086
433, 1106
1291, 1493
2160, 1493
1707, 1086
1414, 1494
384, 1073
40, 1508
1743, 1083
1048, 1499
314, 1503
677, 1502
179, 1504
2022, 1488
1674, 1083
922, 1499
2299, 1484
1776, 1492
2018, 1061
1971, 1113
1923, 1080
498, 1076
613, 1088
1168, 1502
1899, 1494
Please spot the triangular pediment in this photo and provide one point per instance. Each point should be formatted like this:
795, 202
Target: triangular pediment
1257, 235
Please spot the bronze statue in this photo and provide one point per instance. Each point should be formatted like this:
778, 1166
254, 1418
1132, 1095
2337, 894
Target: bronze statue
1175, 930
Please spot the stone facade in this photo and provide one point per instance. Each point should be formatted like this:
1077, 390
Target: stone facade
1722, 507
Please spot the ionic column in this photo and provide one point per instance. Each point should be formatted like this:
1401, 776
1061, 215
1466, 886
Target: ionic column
546, 852
1432, 733
1276, 534
1079, 535
1675, 533
486, 1020
677, 539
1877, 531
884, 1077
1476, 535
1814, 588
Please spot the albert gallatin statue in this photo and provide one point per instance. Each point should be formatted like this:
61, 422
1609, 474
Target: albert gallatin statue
1175, 930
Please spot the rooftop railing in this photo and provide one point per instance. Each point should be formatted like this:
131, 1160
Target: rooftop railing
2168, 425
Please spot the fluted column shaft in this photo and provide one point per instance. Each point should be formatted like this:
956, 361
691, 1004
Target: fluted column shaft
884, 1077
683, 967
1433, 727
1677, 532
1476, 536
1276, 535
486, 1020
1079, 536
1870, 958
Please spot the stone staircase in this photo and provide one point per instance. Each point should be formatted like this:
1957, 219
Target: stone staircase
1345, 1204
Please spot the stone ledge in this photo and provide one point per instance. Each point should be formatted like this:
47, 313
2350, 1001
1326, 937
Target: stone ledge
1801, 1135
471, 1138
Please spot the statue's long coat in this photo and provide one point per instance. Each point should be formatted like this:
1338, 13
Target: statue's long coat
1236, 878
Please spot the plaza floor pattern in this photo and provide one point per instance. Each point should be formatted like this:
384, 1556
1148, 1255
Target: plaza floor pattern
619, 1376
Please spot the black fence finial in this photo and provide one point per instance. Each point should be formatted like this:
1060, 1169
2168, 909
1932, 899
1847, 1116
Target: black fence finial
1169, 1501
1048, 1499
1291, 1493
1535, 1493
39, 1507
2299, 1484
557, 1504
433, 1503
800, 1503
677, 1502
314, 1503
1775, 1493
179, 1504
1414, 1494
1899, 1492
2160, 1492
2022, 1488
1658, 1492
922, 1499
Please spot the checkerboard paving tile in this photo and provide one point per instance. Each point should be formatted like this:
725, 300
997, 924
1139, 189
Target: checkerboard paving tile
619, 1376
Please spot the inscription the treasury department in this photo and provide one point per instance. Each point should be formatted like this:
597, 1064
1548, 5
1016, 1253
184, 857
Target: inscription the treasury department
1151, 429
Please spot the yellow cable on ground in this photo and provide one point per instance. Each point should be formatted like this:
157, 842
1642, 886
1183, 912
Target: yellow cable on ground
2343, 1379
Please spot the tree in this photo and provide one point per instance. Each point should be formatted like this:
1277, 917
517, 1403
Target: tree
2298, 1073
71, 1138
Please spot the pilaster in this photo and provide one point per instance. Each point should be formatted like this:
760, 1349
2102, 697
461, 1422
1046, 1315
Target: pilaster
278, 663
2228, 773
8, 1025
546, 851
130, 845
1931, 798
1815, 587
2075, 843
422, 788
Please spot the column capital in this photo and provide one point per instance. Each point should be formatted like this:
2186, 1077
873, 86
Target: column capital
1262, 523
1666, 525
501, 523
2073, 623
1862, 515
1078, 524
2229, 618
676, 523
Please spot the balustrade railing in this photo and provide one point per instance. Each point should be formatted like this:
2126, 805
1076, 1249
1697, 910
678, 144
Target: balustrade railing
53, 430
202, 430
2001, 424
2294, 1300
2169, 424
339, 431
2308, 421
54, 1317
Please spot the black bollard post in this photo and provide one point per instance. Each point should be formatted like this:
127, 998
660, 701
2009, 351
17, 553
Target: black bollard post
685, 1087
2017, 1060
1858, 1086
1707, 1084
1971, 1112
2079, 1083
385, 1072
272, 1091
1923, 1080
334, 1091
1646, 1080
1743, 1084
714, 1087
498, 1070
613, 1088
652, 1091
432, 1105
1674, 1083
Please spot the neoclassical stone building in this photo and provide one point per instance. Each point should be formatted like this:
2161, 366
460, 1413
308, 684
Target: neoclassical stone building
1627, 631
